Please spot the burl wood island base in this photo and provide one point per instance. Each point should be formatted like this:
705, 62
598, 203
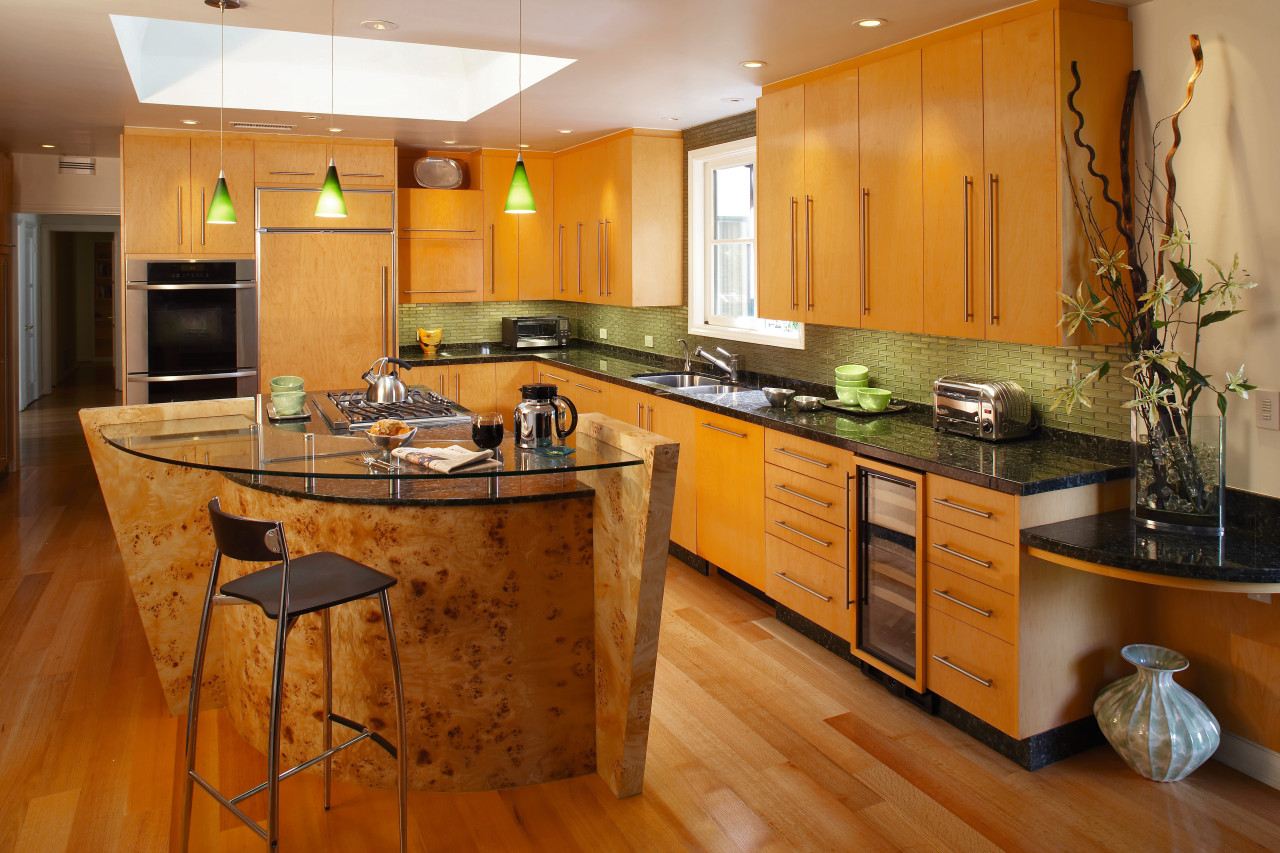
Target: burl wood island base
527, 623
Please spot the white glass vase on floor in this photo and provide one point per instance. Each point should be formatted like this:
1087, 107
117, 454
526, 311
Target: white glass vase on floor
1158, 727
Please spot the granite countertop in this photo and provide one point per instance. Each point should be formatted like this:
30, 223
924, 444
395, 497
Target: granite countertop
1047, 461
1247, 552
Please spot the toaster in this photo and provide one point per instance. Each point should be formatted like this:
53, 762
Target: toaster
993, 410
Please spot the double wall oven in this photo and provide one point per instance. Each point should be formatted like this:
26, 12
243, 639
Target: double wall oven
191, 330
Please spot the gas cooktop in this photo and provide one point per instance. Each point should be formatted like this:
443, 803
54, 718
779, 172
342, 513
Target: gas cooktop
349, 411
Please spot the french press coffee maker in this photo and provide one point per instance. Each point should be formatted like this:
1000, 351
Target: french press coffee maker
537, 418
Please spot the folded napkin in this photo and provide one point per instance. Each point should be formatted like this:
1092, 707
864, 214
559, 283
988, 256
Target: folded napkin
446, 460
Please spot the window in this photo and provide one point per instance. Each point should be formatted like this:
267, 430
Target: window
722, 249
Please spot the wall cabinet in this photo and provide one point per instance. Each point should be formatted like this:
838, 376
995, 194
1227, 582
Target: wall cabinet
730, 495
518, 248
807, 217
283, 162
441, 248
168, 182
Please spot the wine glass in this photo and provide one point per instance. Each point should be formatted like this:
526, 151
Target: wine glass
486, 429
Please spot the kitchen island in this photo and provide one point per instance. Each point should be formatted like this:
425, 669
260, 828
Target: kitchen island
527, 608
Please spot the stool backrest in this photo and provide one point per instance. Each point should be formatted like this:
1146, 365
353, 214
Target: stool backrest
247, 539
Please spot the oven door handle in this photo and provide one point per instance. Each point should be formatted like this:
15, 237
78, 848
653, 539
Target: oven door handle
182, 377
232, 285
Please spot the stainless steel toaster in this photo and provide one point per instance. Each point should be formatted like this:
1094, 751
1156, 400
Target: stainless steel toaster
993, 410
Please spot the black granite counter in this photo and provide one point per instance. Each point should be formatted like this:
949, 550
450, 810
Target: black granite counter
1247, 552
1047, 461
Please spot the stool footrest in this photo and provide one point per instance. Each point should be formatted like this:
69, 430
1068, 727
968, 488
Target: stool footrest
231, 804
365, 730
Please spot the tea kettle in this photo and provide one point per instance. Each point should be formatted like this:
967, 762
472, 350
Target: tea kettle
537, 417
386, 387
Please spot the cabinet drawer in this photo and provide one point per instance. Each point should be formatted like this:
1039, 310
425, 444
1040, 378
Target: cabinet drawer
297, 209
280, 163
988, 609
441, 214
810, 586
812, 497
589, 395
990, 689
973, 508
365, 165
807, 457
813, 535
440, 270
981, 558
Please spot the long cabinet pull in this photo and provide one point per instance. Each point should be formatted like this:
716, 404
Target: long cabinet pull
599, 258
449, 230
608, 285
786, 452
556, 378
808, 252
463, 290
794, 582
942, 593
179, 216
795, 297
726, 431
986, 564
457, 387
862, 267
640, 415
202, 216
294, 173
588, 388
786, 526
962, 507
781, 488
361, 175
492, 244
579, 255
650, 426
560, 257
386, 346
992, 284
965, 190
985, 682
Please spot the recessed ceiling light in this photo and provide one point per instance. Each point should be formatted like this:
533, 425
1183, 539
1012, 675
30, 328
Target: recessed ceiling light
335, 130
524, 145
189, 121
450, 142
313, 118
732, 100
753, 63
871, 22
380, 25
48, 146
672, 118
566, 131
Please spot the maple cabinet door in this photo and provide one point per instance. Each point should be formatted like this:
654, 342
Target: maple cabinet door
780, 195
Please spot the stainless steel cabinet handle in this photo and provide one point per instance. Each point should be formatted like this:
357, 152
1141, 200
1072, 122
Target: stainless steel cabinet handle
290, 173
726, 431
587, 388
450, 230
961, 507
964, 191
560, 257
361, 175
202, 216
386, 346
556, 378
786, 452
781, 488
985, 682
640, 415
179, 216
442, 384
866, 297
986, 564
650, 426
795, 298
457, 387
808, 252
579, 257
492, 244
463, 290
786, 526
992, 285
942, 593
802, 586
599, 257
608, 285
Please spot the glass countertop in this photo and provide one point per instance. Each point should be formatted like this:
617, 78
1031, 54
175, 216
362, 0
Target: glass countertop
236, 444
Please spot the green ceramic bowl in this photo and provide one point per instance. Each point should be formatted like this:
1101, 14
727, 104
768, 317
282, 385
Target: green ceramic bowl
851, 383
851, 371
874, 399
847, 395
286, 383
288, 402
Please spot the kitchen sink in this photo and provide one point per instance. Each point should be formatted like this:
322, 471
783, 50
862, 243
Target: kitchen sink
694, 383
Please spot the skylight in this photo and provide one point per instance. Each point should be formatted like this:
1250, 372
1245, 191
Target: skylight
177, 62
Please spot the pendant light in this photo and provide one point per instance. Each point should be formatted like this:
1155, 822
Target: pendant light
221, 211
520, 196
331, 203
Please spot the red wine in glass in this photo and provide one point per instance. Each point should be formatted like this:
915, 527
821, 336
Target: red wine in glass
486, 430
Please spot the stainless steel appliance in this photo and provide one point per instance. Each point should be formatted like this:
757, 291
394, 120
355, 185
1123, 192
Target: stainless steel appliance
350, 411
536, 332
191, 330
536, 420
386, 387
994, 410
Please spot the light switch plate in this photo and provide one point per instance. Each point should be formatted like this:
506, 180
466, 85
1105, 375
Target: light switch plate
604, 334
648, 340
1267, 409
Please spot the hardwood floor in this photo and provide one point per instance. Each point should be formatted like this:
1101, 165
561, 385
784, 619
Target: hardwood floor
760, 740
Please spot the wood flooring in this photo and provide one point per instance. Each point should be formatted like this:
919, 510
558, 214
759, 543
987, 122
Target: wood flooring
760, 740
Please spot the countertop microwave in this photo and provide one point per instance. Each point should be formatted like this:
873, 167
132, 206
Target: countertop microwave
536, 332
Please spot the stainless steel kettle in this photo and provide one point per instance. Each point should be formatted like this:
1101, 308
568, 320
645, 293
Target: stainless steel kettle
386, 387
536, 420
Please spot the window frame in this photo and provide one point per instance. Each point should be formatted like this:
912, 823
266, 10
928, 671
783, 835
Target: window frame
701, 165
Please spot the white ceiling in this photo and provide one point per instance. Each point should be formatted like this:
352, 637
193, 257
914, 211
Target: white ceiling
63, 80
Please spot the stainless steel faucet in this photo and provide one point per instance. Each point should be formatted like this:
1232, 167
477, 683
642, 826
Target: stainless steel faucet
729, 364
688, 363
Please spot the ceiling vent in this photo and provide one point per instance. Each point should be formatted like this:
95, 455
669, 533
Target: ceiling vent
77, 165
255, 125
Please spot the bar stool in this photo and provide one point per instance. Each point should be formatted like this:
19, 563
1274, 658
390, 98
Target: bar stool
308, 584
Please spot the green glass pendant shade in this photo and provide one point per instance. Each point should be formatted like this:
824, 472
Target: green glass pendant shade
331, 202
520, 196
221, 211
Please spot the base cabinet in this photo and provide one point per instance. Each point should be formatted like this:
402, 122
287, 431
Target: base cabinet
509, 376
730, 495
672, 420
470, 385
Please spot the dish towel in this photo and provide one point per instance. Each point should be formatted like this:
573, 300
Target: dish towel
446, 460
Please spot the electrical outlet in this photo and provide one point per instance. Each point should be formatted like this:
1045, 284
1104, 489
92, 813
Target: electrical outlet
604, 365
648, 340
1267, 409
604, 334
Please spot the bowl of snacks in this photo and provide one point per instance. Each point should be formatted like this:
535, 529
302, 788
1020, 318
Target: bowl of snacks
389, 433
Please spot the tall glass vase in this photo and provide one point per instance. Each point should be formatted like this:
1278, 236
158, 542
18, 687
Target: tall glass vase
1178, 470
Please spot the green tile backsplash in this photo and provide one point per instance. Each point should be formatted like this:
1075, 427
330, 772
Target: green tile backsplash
907, 364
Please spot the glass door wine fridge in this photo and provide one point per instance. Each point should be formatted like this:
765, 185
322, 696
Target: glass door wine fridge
886, 590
